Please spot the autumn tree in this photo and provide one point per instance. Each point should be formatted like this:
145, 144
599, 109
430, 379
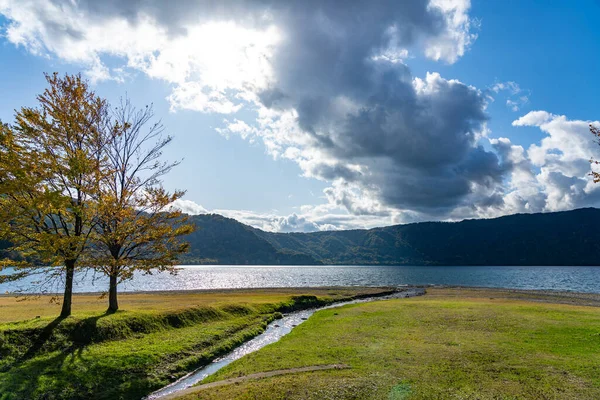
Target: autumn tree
51, 166
137, 229
10, 174
596, 132
7, 150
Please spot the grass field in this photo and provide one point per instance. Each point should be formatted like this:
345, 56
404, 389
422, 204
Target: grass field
13, 309
155, 339
449, 344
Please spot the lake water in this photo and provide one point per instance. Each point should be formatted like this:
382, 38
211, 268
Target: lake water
578, 279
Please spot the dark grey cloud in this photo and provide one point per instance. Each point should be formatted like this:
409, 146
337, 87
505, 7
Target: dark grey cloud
417, 148
383, 138
331, 172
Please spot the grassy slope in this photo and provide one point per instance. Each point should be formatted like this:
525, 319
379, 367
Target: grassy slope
446, 345
126, 355
17, 309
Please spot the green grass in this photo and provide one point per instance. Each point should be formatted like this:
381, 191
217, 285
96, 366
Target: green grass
126, 355
19, 309
434, 347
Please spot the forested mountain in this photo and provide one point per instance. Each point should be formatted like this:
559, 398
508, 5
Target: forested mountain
560, 238
220, 240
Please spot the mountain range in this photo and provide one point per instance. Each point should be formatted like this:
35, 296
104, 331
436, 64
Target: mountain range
557, 238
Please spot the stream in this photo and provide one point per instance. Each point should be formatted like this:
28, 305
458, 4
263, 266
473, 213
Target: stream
274, 331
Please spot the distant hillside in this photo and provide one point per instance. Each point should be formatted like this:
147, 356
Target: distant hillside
220, 240
561, 238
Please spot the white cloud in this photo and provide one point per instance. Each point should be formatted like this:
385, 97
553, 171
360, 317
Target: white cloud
558, 173
204, 62
189, 207
329, 94
206, 52
533, 118
336, 97
515, 105
237, 127
511, 86
197, 97
551, 175
272, 222
266, 221
516, 97
324, 217
459, 36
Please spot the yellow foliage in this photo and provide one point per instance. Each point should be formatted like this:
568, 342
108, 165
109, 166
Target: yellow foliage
81, 187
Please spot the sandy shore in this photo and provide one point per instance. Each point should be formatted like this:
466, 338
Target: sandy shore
546, 296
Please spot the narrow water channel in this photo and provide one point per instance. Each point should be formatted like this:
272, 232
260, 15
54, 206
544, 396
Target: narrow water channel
274, 331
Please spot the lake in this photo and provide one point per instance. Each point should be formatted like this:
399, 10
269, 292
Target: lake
578, 279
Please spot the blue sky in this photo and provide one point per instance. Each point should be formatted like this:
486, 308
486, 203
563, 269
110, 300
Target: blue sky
344, 145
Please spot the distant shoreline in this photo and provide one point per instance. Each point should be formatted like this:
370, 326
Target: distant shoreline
542, 295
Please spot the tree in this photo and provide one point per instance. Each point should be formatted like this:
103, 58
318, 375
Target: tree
11, 167
52, 164
596, 132
137, 231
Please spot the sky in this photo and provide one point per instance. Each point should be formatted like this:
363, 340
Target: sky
307, 115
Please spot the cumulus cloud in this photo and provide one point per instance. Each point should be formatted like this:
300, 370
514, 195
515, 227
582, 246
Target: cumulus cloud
275, 223
329, 85
533, 118
188, 206
555, 174
516, 97
330, 88
266, 221
399, 143
551, 175
324, 217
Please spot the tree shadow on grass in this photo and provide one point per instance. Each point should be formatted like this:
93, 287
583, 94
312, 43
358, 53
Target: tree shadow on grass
41, 377
74, 374
58, 336
55, 366
41, 339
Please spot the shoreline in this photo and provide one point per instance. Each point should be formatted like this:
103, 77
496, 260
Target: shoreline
219, 291
536, 295
545, 292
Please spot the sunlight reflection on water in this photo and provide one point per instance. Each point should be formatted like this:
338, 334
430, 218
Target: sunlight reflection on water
580, 279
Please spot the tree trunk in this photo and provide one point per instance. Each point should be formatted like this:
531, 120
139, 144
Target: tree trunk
68, 295
113, 304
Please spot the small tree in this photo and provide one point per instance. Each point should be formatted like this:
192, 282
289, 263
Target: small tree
51, 169
596, 132
136, 230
